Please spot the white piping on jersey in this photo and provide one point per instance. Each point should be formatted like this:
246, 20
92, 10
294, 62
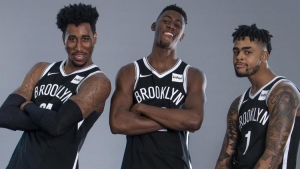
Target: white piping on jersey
91, 74
161, 75
252, 96
185, 77
47, 69
241, 100
137, 72
63, 73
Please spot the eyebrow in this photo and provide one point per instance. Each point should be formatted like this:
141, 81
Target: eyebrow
243, 48
171, 18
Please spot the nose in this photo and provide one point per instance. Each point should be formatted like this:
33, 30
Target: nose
78, 46
170, 25
239, 56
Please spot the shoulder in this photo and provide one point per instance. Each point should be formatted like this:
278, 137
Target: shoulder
285, 90
126, 72
196, 77
194, 72
39, 67
98, 79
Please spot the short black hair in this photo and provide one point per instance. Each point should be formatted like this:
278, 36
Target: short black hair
253, 33
176, 8
77, 14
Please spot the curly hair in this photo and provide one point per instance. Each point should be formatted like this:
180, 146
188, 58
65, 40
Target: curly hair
253, 33
77, 14
176, 8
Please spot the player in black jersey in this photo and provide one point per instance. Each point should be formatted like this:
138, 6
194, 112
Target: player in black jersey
263, 123
54, 98
146, 105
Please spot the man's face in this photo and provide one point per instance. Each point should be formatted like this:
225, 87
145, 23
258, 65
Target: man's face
247, 57
79, 43
169, 29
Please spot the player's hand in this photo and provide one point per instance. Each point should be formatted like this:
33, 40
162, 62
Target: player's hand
24, 104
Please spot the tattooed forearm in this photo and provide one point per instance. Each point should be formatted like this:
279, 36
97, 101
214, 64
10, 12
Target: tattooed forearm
231, 139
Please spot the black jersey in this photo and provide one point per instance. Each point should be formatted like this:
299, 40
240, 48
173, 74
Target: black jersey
253, 119
166, 148
39, 150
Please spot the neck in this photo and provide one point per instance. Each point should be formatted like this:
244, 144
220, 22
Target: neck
261, 78
162, 59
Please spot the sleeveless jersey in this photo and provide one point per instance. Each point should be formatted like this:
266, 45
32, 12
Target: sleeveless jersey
253, 119
37, 149
166, 148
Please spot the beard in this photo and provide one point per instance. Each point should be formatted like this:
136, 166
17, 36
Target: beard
247, 73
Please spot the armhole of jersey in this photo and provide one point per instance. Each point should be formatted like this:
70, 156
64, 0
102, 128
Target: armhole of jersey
137, 72
241, 100
185, 77
47, 69
91, 74
275, 84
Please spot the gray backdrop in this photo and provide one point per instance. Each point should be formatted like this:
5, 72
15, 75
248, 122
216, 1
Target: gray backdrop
28, 35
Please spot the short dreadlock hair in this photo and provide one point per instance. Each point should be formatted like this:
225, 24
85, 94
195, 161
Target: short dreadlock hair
253, 33
176, 8
77, 14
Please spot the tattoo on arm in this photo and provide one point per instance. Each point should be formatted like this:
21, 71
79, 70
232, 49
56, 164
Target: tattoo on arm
231, 138
283, 103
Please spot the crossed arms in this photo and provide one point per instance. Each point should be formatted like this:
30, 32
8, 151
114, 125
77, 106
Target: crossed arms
126, 118
283, 104
91, 97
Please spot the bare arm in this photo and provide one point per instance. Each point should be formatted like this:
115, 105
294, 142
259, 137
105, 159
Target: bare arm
190, 117
283, 104
121, 120
232, 136
92, 94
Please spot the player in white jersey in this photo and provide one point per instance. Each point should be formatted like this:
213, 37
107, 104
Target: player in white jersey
262, 124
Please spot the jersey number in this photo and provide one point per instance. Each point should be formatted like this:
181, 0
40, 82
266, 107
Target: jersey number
248, 135
46, 106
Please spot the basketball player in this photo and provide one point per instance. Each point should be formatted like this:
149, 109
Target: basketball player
54, 97
149, 94
261, 121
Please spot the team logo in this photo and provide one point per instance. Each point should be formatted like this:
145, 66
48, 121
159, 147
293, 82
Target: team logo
77, 79
177, 77
263, 95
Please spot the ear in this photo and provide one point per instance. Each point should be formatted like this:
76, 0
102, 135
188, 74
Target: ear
95, 37
265, 56
182, 37
63, 39
153, 26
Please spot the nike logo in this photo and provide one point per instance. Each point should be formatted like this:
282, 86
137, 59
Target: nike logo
52, 73
245, 101
145, 75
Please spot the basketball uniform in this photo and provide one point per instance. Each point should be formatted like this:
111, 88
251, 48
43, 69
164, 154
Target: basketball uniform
39, 150
253, 123
166, 148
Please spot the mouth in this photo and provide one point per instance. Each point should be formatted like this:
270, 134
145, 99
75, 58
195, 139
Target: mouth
168, 34
79, 56
239, 65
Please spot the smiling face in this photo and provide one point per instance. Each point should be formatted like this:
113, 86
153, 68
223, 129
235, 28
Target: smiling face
79, 43
169, 29
248, 57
